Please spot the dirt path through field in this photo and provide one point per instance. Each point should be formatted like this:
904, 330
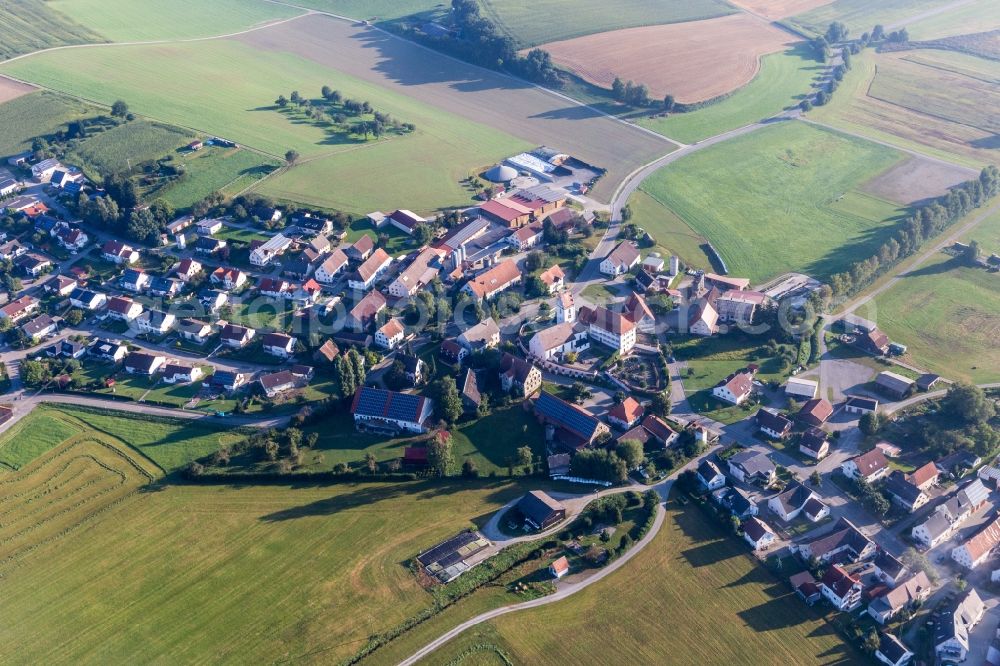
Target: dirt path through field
512, 105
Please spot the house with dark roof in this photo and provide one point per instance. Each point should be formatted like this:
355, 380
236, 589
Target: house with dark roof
228, 380
275, 383
951, 634
540, 511
859, 405
904, 493
573, 427
773, 424
889, 569
235, 336
739, 503
814, 443
384, 410
844, 543
805, 586
892, 651
278, 344
472, 394
141, 363
790, 503
757, 533
709, 475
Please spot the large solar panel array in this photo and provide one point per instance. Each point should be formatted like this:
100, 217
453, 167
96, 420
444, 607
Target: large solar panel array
389, 404
565, 415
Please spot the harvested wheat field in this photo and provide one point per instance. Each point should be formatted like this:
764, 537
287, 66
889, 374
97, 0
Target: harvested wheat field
9, 89
917, 179
692, 61
779, 9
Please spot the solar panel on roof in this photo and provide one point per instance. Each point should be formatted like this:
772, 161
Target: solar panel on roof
564, 413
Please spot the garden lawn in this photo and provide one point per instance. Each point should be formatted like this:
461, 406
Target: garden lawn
130, 143
772, 201
223, 574
948, 315
145, 20
35, 434
399, 241
533, 22
693, 593
862, 15
783, 81
195, 89
488, 442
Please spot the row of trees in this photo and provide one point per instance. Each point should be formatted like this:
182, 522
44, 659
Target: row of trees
926, 222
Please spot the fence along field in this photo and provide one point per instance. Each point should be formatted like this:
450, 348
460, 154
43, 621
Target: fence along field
693, 61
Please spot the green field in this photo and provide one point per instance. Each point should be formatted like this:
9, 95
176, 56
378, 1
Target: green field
211, 573
948, 315
862, 15
30, 25
146, 20
818, 224
193, 91
693, 594
130, 143
988, 235
978, 16
31, 437
672, 235
533, 22
783, 81
212, 169
40, 113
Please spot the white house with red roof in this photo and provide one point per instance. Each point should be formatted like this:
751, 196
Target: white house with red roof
736, 388
870, 466
390, 334
626, 414
118, 252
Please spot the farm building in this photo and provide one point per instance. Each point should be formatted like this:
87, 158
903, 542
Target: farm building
450, 559
573, 427
801, 389
894, 385
539, 510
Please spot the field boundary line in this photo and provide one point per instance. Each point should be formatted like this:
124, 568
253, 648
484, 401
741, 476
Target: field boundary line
549, 91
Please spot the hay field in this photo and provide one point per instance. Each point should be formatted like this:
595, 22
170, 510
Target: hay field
27, 116
778, 9
854, 110
693, 594
789, 199
533, 22
948, 315
939, 88
693, 61
784, 79
133, 142
145, 20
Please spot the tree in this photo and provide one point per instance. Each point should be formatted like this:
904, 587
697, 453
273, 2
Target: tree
395, 377
968, 403
806, 105
878, 33
524, 458
869, 423
439, 456
871, 642
282, 101
325, 92
119, 109
815, 479
74, 317
836, 32
630, 450
469, 469
371, 463
973, 253
143, 227
347, 380
668, 103
35, 373
423, 234
580, 392
534, 260
661, 403
447, 400
291, 157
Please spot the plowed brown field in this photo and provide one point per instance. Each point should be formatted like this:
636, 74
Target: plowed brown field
9, 89
692, 61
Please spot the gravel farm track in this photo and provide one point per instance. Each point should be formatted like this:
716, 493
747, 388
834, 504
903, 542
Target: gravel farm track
512, 105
